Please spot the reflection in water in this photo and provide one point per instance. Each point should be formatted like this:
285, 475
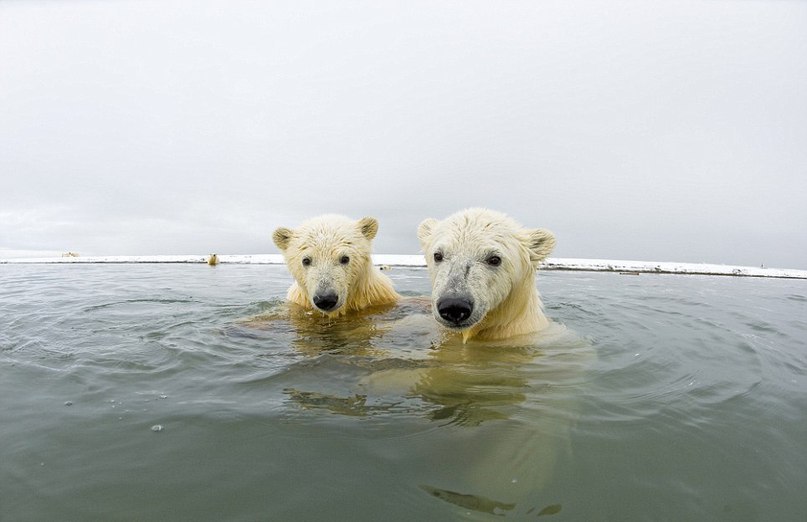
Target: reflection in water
351, 406
519, 396
312, 333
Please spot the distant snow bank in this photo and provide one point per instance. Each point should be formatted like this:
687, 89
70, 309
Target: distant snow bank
588, 265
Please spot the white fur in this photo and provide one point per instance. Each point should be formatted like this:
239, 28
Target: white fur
325, 240
505, 300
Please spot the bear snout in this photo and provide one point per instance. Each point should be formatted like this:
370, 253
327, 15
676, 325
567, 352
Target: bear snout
455, 309
326, 301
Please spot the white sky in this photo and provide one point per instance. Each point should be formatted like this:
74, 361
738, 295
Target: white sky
669, 131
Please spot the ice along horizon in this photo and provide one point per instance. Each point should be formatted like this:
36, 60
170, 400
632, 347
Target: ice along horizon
415, 261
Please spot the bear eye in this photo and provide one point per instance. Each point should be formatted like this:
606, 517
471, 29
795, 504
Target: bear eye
494, 260
306, 261
344, 260
438, 256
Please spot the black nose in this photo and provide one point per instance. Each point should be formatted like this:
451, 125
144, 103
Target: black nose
455, 309
326, 301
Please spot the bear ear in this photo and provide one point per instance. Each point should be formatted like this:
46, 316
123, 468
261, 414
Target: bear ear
425, 232
281, 237
368, 227
540, 243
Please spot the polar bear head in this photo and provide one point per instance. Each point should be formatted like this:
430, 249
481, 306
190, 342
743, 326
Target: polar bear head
482, 266
330, 259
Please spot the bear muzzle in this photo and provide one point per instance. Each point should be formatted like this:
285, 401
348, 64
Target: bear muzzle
455, 310
326, 301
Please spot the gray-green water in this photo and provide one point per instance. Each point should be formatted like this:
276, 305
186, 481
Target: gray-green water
135, 392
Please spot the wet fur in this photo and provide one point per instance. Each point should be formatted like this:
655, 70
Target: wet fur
506, 302
325, 239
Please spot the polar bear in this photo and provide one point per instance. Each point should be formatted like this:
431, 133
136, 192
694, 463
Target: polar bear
329, 258
482, 266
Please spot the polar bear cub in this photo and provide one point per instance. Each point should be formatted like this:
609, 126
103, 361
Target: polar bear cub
482, 266
329, 258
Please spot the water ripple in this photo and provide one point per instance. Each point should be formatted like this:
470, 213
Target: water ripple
686, 390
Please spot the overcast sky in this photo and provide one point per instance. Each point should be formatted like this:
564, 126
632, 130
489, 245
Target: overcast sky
664, 131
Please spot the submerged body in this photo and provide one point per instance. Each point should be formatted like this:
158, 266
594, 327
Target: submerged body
399, 360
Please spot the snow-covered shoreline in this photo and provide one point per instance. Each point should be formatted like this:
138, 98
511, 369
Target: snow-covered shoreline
588, 265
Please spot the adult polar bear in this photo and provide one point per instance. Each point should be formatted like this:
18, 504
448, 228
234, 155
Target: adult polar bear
329, 258
482, 265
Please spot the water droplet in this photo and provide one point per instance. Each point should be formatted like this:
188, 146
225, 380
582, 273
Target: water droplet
157, 427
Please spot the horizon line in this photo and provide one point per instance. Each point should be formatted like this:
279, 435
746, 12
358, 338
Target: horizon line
626, 267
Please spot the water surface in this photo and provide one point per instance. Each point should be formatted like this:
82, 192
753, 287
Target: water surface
137, 392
